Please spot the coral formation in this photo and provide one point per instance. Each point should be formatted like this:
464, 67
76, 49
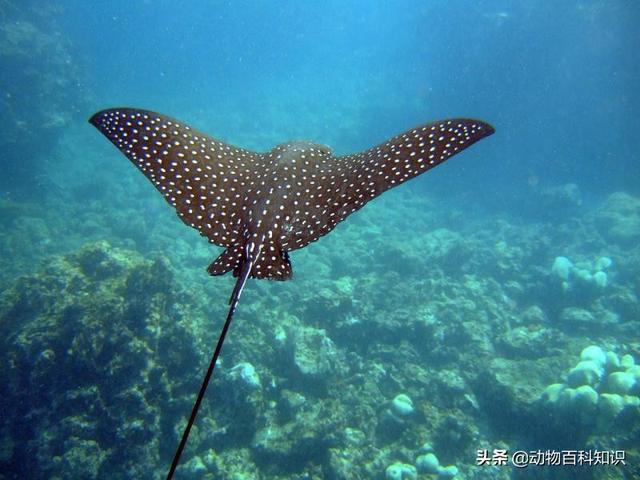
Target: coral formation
402, 405
246, 373
618, 219
91, 341
584, 275
401, 471
598, 392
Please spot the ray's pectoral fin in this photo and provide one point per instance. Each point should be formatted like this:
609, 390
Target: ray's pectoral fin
190, 169
418, 150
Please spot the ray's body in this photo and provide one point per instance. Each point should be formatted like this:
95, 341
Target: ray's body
260, 206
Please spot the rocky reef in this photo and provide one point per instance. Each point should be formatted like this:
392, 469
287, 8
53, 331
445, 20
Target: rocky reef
93, 378
399, 360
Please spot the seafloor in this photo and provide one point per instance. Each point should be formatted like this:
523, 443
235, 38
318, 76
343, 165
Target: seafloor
471, 316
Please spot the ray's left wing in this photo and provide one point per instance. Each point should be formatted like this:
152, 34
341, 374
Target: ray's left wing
370, 173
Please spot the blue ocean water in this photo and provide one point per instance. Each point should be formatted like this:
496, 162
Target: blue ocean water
498, 293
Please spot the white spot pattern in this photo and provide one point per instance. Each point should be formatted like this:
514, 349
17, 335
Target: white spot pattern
283, 199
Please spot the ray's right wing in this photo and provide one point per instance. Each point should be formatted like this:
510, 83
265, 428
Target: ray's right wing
204, 179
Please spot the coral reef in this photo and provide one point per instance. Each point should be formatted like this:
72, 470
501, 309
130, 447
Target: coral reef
345, 372
91, 342
601, 394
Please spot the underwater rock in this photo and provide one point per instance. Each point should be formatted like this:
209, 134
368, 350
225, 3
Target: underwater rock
426, 447
625, 303
587, 372
443, 247
566, 398
83, 457
402, 405
328, 299
431, 465
577, 317
395, 419
290, 404
600, 279
527, 341
231, 463
246, 373
506, 389
609, 406
565, 198
343, 464
620, 382
447, 472
583, 279
603, 263
618, 219
552, 393
352, 458
562, 268
428, 463
313, 353
534, 315
455, 433
99, 261
632, 401
401, 471
354, 437
585, 400
578, 405
627, 361
612, 361
305, 438
583, 276
97, 369
635, 371
449, 383
194, 468
345, 286
596, 319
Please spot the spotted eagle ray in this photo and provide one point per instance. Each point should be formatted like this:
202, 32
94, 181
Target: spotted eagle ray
260, 206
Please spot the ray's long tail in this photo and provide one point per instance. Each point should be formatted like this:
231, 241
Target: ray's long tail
235, 297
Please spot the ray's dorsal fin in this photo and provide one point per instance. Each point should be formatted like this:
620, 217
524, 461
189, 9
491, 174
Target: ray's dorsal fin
205, 179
